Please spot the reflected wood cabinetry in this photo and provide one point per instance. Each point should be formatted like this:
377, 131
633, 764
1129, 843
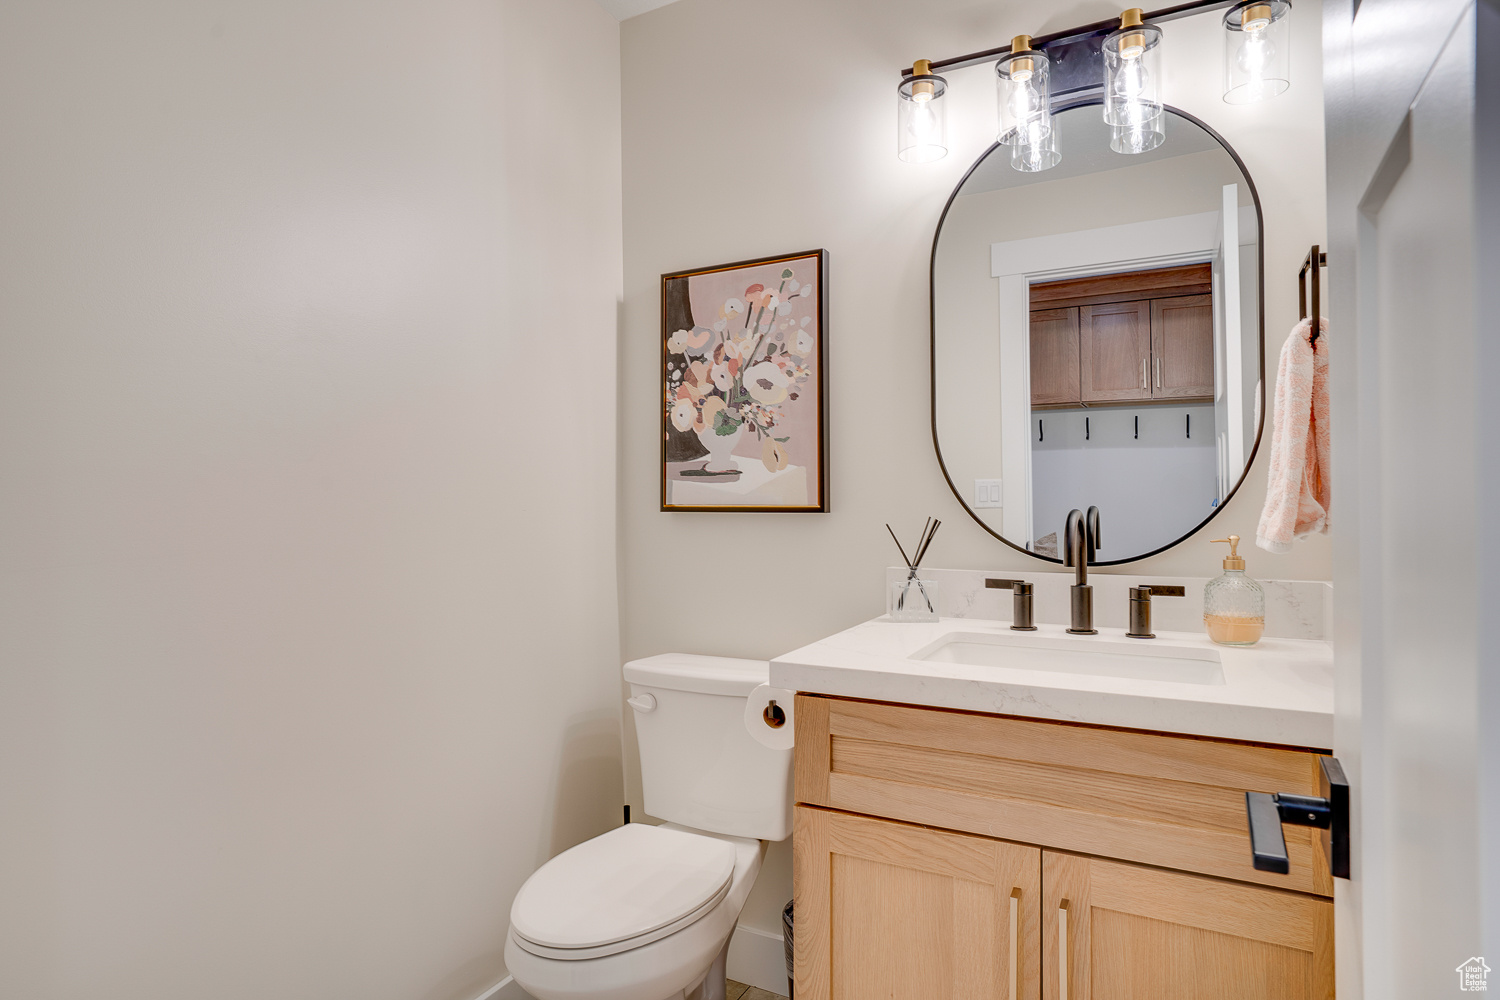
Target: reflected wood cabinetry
1114, 352
1138, 337
1054, 356
948, 854
1182, 346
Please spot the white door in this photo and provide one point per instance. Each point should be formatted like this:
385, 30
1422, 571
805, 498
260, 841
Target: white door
1414, 372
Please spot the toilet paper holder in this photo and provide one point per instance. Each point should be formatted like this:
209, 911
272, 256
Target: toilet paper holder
771, 717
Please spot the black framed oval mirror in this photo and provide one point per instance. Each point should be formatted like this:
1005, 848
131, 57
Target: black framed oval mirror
1098, 336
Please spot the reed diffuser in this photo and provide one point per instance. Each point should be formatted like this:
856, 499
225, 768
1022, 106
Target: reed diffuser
913, 598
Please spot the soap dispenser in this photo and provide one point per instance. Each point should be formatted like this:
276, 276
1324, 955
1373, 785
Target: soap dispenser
1234, 606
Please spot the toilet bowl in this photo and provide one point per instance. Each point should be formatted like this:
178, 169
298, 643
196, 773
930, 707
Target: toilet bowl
645, 929
646, 912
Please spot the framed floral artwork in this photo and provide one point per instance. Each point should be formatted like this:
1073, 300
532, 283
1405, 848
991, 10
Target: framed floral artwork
743, 386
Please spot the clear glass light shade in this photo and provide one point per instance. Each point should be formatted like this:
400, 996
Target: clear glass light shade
1140, 137
1039, 152
1023, 87
1257, 50
922, 119
1132, 76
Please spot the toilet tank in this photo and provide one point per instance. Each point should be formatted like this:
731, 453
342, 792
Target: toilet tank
699, 765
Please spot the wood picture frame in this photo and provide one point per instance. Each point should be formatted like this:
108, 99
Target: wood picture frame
744, 386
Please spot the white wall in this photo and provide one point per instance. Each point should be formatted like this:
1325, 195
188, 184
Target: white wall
1152, 480
308, 646
757, 127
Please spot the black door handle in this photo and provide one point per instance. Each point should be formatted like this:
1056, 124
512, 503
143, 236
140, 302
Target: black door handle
1329, 812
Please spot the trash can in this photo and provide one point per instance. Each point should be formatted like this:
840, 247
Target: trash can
786, 937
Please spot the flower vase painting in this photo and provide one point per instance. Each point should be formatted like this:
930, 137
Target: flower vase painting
743, 386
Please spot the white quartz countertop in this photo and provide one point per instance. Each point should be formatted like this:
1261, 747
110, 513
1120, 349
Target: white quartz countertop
1277, 691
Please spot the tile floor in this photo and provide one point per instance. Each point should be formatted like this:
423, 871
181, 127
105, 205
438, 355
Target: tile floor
739, 991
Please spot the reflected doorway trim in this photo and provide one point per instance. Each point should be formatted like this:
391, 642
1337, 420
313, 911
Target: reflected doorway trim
1260, 293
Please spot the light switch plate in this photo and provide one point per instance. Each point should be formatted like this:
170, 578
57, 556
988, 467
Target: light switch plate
987, 493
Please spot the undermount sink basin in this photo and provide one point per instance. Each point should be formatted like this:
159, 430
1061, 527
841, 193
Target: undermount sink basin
1138, 659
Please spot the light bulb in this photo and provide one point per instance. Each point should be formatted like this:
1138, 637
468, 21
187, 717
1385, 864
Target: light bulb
923, 122
1132, 79
1256, 53
1025, 101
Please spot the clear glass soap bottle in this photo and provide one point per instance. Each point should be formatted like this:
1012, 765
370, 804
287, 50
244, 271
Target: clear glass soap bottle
1234, 606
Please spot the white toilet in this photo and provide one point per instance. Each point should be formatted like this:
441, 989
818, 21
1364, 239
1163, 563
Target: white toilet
645, 912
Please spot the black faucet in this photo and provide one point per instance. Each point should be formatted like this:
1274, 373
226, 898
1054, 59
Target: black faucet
1080, 545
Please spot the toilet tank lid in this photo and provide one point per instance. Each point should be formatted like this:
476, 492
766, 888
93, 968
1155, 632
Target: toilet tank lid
701, 674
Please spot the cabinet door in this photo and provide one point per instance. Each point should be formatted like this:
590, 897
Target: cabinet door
1054, 357
1182, 347
1114, 343
904, 912
1113, 931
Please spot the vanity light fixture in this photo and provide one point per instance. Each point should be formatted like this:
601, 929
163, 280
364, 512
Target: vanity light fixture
1132, 85
1023, 87
1257, 51
1065, 66
921, 115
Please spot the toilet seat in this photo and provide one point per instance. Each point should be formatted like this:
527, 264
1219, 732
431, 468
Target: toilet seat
622, 890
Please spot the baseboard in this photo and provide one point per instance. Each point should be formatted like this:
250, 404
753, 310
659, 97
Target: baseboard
505, 989
758, 958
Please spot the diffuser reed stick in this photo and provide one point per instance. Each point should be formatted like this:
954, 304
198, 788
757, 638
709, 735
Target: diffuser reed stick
929, 529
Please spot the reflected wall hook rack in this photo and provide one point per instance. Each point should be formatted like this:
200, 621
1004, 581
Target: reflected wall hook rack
1315, 261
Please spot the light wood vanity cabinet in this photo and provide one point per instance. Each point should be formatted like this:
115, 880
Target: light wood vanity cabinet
1113, 931
907, 911
948, 854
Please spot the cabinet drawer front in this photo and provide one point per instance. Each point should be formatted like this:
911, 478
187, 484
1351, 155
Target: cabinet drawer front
1114, 931
1171, 801
890, 910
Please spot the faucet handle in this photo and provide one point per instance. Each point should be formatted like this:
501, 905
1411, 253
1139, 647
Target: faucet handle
1140, 607
1159, 590
1021, 604
1140, 614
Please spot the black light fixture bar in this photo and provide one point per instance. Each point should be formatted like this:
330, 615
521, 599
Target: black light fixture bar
1080, 34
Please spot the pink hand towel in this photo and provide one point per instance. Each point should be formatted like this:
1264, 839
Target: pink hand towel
1297, 494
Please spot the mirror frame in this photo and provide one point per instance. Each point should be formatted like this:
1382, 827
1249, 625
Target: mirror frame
1260, 298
